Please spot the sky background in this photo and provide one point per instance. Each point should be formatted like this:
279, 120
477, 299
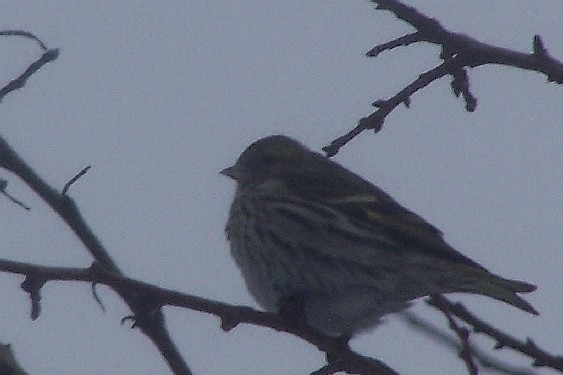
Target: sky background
160, 96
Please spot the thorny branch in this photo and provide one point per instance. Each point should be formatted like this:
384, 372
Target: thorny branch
440, 335
466, 351
459, 52
540, 357
151, 322
339, 355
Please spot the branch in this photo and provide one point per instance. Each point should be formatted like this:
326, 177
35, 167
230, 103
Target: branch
47, 56
540, 357
145, 300
339, 356
376, 119
150, 321
3, 186
474, 51
459, 52
466, 351
447, 340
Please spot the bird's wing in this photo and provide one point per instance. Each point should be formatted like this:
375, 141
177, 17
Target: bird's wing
371, 209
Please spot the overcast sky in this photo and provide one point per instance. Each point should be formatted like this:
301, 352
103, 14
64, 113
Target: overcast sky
160, 96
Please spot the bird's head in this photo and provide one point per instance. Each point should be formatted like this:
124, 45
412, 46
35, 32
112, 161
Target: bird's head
265, 158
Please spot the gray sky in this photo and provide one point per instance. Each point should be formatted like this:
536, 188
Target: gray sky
160, 96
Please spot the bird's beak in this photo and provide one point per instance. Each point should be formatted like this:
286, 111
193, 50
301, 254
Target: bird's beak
230, 172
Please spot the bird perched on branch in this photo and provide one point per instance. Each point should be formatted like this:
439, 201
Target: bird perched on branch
310, 235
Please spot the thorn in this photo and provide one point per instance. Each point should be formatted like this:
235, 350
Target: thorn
538, 47
227, 324
379, 103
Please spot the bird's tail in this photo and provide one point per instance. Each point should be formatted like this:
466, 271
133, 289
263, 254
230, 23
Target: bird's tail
505, 290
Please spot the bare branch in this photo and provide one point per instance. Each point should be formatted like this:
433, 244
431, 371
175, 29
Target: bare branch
339, 355
61, 204
47, 56
376, 119
3, 186
25, 34
466, 351
402, 41
151, 322
529, 348
459, 52
444, 337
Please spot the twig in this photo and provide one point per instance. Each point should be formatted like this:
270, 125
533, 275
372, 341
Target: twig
74, 179
16, 201
47, 56
466, 352
529, 348
447, 340
375, 120
340, 355
151, 322
402, 41
97, 297
25, 34
467, 53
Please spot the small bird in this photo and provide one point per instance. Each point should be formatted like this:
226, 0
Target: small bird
316, 239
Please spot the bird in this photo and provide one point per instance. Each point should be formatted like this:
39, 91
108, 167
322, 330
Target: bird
318, 241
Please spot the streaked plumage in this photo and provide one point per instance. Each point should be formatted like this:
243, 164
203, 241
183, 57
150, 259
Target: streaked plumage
303, 226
